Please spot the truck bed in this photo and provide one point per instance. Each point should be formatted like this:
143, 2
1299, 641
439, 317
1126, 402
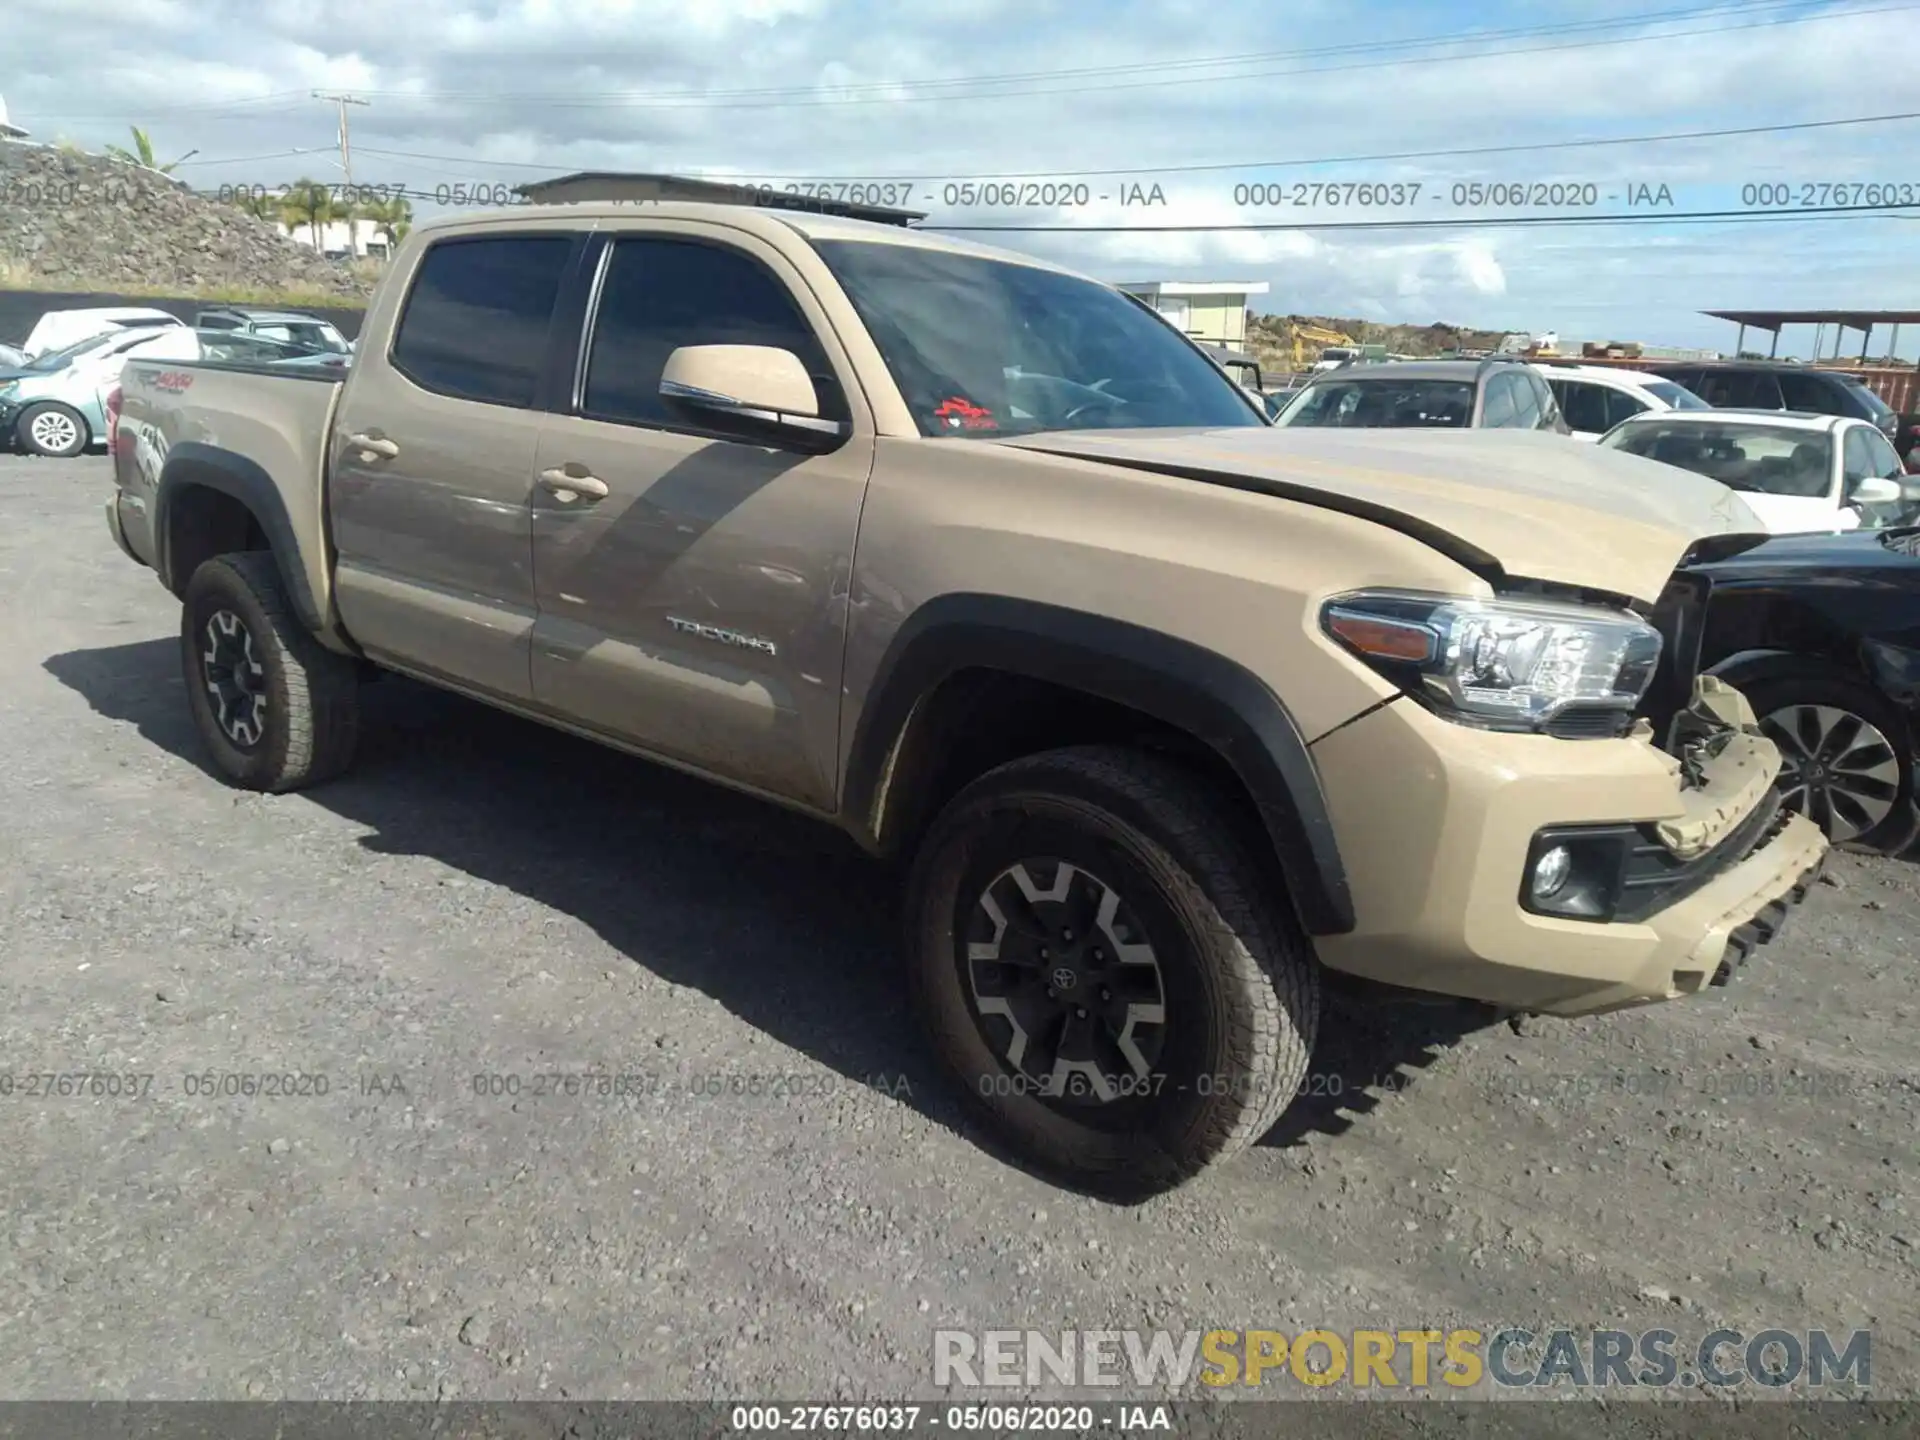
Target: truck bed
281, 421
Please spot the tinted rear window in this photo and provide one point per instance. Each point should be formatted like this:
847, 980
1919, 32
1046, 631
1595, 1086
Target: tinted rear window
475, 325
1383, 404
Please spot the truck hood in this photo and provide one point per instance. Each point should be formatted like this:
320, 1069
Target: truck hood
1520, 504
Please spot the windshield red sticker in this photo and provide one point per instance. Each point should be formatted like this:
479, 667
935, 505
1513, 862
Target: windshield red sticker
959, 413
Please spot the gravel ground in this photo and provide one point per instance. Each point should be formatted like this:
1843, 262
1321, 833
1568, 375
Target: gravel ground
481, 897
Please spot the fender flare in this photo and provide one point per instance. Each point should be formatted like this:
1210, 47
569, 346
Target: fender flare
192, 463
1216, 700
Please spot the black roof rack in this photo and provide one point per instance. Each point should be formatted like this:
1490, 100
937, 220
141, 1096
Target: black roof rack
588, 186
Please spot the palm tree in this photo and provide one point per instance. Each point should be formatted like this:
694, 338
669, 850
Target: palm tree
142, 152
309, 203
392, 217
257, 203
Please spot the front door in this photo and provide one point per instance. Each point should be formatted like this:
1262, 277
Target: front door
433, 460
698, 607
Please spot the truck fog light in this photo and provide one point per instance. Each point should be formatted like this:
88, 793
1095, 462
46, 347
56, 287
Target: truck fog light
1550, 872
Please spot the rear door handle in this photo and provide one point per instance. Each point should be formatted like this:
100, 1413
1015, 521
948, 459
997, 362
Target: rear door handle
568, 486
385, 449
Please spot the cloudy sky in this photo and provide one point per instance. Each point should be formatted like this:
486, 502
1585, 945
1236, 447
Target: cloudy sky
1217, 113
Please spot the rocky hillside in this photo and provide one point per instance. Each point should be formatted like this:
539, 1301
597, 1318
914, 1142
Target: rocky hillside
72, 221
1270, 337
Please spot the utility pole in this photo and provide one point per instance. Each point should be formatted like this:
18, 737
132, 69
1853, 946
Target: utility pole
340, 102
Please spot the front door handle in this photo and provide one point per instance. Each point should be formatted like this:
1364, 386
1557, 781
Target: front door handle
568, 486
373, 445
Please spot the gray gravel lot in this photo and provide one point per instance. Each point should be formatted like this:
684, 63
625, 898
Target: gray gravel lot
481, 897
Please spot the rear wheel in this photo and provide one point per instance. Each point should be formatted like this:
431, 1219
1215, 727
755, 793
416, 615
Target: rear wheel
277, 709
1847, 756
52, 429
1100, 971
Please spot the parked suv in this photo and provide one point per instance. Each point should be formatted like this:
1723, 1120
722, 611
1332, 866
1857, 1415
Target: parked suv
1777, 385
1595, 398
1498, 393
977, 560
289, 327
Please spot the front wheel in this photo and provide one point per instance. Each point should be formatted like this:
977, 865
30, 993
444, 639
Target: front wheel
1098, 967
52, 429
276, 709
1846, 756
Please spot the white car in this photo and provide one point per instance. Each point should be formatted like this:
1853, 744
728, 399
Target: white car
1799, 473
58, 329
1595, 398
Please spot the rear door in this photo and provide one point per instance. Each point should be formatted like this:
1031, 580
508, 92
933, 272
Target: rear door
698, 608
433, 451
1585, 406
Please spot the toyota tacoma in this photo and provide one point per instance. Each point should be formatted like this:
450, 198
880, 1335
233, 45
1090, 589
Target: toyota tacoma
1168, 713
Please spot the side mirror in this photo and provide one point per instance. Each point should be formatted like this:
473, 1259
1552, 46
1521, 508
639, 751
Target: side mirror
1874, 490
756, 386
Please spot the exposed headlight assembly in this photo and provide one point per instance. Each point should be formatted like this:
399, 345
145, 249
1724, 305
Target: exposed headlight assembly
1499, 664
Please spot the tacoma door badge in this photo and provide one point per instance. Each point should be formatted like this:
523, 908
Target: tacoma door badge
724, 637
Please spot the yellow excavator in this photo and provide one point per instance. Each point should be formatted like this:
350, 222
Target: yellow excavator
1319, 338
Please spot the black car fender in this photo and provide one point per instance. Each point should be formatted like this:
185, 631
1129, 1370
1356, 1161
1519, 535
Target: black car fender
1208, 696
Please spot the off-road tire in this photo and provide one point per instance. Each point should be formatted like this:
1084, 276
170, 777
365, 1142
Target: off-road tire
310, 718
1813, 684
23, 428
1233, 955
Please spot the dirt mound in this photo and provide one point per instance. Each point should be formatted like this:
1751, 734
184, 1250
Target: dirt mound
75, 221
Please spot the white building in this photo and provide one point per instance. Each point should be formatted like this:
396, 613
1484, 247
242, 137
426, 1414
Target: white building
1211, 310
340, 239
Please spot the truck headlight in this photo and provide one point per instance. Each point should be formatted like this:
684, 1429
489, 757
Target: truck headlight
1499, 664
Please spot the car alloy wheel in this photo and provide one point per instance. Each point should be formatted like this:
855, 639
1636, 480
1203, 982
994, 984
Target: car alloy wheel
54, 431
1065, 984
235, 679
1837, 769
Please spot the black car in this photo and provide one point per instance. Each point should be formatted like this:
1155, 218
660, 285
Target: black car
1822, 635
1777, 385
1499, 393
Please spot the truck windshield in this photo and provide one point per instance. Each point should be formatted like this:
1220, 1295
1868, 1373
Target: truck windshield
983, 347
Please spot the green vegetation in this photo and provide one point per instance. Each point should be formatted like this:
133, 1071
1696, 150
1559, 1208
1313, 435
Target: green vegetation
142, 152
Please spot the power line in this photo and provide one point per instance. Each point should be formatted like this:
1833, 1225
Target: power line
1812, 212
1068, 173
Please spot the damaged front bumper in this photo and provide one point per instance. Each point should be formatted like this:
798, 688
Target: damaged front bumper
1687, 860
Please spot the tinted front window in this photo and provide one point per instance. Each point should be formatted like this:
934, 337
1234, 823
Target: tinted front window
662, 294
1624, 406
1764, 459
985, 347
1741, 390
1872, 407
1584, 405
1812, 393
475, 325
1382, 403
1886, 460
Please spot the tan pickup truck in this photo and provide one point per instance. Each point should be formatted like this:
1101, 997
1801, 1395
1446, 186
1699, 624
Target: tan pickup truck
982, 562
